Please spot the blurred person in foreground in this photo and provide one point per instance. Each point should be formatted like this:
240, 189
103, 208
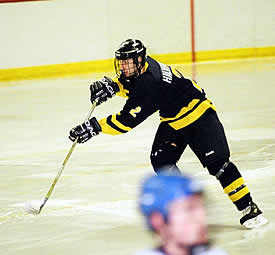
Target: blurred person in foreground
173, 206
187, 118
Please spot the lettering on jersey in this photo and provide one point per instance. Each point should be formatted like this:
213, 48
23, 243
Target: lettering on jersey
167, 75
134, 111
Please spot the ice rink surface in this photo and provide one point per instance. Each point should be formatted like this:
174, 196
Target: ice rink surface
93, 209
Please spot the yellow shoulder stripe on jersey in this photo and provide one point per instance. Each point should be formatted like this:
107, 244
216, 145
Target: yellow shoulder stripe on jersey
122, 92
196, 85
195, 112
176, 73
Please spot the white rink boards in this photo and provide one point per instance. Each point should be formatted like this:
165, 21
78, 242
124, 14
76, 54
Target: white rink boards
93, 207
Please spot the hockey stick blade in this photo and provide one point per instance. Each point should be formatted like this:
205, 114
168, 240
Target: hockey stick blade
30, 206
33, 207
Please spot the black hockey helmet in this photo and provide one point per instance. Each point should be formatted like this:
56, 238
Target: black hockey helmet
130, 49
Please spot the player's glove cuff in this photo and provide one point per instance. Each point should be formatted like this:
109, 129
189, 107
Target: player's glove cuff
85, 131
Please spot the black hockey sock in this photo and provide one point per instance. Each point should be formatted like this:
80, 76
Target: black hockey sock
233, 184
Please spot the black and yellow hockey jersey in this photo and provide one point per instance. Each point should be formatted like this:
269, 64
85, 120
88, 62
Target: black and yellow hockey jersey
179, 101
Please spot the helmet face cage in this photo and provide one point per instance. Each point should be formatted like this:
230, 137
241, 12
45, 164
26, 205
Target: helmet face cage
130, 49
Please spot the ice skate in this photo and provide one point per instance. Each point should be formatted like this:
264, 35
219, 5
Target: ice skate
252, 217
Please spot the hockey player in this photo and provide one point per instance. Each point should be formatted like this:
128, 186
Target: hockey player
174, 210
187, 118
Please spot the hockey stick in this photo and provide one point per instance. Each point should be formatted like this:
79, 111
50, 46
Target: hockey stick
30, 207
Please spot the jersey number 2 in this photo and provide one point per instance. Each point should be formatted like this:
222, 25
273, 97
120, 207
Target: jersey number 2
134, 111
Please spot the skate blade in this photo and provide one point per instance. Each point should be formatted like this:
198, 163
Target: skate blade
255, 222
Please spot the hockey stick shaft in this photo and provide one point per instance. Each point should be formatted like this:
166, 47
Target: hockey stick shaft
65, 162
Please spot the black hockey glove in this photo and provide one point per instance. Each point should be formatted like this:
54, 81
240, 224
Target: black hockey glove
85, 131
102, 90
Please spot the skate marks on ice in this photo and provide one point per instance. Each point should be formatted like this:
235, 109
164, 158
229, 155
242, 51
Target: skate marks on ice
125, 209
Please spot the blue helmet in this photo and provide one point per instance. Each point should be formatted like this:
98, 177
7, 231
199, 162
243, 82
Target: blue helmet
159, 191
